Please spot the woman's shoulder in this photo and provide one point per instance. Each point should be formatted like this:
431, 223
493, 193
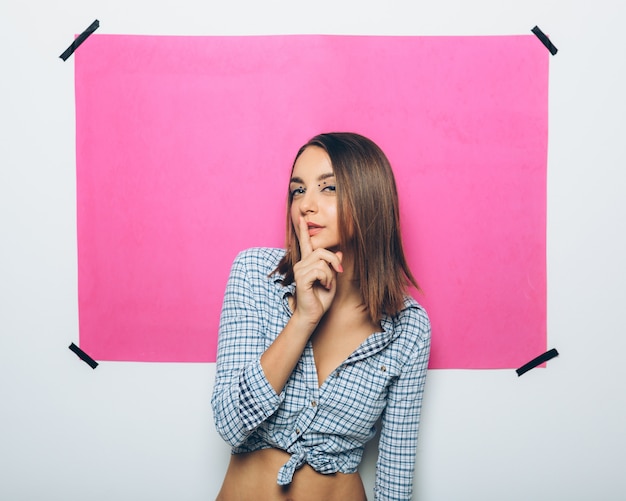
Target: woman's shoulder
413, 318
259, 259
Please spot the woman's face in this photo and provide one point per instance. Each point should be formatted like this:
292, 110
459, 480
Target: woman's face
313, 196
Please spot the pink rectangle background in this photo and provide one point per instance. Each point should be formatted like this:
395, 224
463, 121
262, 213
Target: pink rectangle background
184, 146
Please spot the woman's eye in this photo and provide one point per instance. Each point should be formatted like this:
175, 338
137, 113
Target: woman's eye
330, 187
297, 191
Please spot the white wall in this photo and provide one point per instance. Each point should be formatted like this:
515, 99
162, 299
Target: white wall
129, 431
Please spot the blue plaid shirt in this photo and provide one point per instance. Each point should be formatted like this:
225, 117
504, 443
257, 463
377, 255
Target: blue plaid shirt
325, 426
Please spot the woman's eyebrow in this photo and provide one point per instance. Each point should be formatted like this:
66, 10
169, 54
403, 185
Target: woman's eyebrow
296, 179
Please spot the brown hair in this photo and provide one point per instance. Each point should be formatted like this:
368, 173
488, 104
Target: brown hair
368, 219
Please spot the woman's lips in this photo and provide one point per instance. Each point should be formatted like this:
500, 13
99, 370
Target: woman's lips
314, 229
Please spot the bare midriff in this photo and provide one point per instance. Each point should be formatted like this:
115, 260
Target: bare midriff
252, 477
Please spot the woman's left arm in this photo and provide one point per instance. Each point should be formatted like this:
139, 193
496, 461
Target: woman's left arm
400, 420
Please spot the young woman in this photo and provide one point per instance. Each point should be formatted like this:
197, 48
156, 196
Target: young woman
319, 341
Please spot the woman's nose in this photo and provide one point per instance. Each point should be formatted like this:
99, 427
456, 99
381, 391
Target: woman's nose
308, 203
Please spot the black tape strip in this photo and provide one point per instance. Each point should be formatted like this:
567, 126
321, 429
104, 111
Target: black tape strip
545, 40
83, 356
537, 361
80, 39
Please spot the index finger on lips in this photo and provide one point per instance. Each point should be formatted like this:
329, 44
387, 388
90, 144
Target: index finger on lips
306, 248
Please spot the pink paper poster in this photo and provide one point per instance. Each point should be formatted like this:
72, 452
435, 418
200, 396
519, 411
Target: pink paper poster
184, 147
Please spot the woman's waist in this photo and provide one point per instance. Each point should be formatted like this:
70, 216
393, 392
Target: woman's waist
253, 475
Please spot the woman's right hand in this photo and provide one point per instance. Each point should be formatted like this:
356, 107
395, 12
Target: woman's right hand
315, 277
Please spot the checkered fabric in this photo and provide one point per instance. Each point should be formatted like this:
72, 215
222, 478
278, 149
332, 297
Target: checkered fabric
324, 425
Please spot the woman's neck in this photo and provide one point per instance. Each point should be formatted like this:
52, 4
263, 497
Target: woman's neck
348, 290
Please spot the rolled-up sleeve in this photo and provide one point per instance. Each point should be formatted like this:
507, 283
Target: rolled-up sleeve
242, 397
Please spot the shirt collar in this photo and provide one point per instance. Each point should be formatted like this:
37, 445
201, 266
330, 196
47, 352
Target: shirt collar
388, 333
284, 290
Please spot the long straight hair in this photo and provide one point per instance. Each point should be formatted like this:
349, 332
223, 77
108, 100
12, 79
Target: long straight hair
368, 220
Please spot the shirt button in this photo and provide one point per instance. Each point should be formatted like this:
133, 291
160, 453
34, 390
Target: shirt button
313, 403
298, 431
383, 368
